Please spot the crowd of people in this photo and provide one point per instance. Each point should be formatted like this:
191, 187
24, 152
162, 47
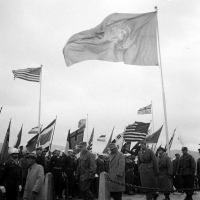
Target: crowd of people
24, 173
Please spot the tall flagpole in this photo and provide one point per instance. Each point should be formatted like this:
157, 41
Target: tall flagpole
152, 115
87, 128
163, 92
38, 142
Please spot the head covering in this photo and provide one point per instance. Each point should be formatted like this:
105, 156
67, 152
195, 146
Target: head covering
82, 144
161, 149
70, 150
184, 148
56, 150
177, 154
14, 150
32, 155
112, 146
24, 152
39, 148
198, 149
143, 142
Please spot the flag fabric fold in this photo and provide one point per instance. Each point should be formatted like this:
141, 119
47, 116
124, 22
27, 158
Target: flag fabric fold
5, 147
171, 140
81, 123
119, 139
136, 131
19, 136
128, 38
90, 143
68, 143
106, 150
145, 110
29, 74
153, 138
102, 138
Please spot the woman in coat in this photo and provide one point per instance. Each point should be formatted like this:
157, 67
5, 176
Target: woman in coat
148, 169
116, 172
165, 172
34, 188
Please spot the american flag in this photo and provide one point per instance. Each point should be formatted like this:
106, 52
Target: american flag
90, 143
136, 131
30, 74
145, 110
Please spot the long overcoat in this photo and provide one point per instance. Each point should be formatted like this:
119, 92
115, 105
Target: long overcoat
35, 182
148, 168
117, 171
165, 170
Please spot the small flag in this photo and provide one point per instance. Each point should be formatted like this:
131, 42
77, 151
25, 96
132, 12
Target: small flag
171, 140
4, 150
35, 130
135, 149
68, 143
1, 109
136, 131
119, 139
30, 74
90, 143
153, 138
106, 150
19, 136
128, 38
145, 110
81, 123
102, 138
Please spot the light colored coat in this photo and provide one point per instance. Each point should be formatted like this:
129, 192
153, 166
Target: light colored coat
34, 182
117, 171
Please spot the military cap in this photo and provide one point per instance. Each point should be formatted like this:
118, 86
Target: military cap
112, 146
56, 149
70, 150
32, 155
39, 148
177, 154
184, 149
82, 144
161, 148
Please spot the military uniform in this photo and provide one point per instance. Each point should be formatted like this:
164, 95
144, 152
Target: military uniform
186, 169
24, 167
12, 178
55, 167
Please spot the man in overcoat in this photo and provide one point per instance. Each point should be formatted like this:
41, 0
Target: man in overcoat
165, 172
116, 172
186, 169
148, 169
176, 178
86, 170
34, 188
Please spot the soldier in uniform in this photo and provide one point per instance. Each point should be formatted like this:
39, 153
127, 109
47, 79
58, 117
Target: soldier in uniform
165, 172
12, 175
69, 167
148, 169
186, 169
24, 166
86, 170
198, 169
176, 178
55, 167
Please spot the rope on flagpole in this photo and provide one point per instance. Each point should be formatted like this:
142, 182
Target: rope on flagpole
163, 92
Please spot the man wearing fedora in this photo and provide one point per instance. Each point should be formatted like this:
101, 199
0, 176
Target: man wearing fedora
116, 172
165, 172
186, 170
86, 171
34, 188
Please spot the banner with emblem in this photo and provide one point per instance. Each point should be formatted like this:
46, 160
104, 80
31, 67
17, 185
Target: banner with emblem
128, 38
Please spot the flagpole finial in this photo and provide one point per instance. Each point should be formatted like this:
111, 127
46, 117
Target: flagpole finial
156, 8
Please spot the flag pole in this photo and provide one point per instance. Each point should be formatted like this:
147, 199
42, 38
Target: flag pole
52, 134
152, 116
38, 142
87, 128
163, 92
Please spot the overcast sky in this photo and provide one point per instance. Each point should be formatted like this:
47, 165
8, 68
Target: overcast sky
33, 33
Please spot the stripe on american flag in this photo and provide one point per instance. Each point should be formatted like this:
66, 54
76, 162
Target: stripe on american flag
30, 74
